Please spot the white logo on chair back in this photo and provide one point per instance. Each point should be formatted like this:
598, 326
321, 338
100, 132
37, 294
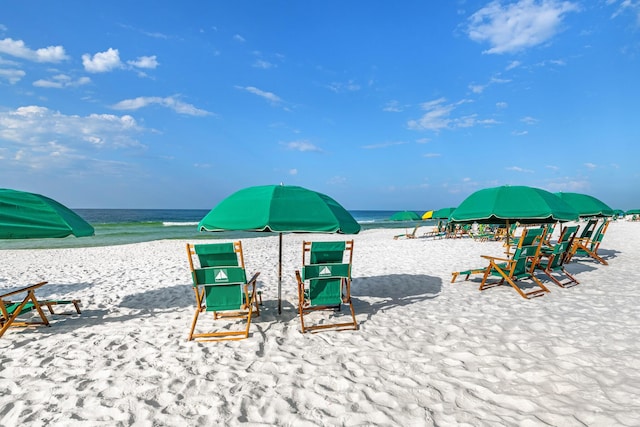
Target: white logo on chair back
222, 276
326, 271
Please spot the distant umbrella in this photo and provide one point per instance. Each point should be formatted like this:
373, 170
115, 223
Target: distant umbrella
427, 215
33, 216
405, 216
633, 212
586, 205
443, 213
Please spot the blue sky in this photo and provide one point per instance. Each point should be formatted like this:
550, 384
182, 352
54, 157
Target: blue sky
381, 105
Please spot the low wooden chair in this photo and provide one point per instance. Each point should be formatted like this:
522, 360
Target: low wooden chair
520, 267
10, 310
221, 286
324, 283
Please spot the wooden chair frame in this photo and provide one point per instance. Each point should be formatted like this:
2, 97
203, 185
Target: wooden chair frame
250, 296
526, 253
9, 311
304, 307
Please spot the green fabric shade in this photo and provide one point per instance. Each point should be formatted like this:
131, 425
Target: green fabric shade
33, 216
405, 216
443, 213
279, 208
586, 205
500, 205
633, 212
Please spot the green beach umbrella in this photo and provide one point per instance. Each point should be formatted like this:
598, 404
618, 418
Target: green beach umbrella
510, 204
586, 205
633, 212
443, 213
33, 216
405, 216
279, 208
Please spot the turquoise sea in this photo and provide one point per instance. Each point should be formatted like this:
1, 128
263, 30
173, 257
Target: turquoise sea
123, 226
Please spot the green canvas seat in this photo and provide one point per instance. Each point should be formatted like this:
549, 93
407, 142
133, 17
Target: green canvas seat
221, 286
552, 260
324, 282
10, 310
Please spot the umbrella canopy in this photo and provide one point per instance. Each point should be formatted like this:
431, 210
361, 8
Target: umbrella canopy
633, 212
32, 216
443, 213
427, 215
279, 208
527, 205
586, 205
405, 216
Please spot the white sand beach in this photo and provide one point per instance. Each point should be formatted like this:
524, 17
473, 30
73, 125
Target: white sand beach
428, 352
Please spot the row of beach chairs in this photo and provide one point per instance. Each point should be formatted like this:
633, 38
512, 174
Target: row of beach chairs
534, 253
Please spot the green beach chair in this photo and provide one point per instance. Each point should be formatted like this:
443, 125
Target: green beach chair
325, 282
552, 260
520, 267
10, 310
221, 286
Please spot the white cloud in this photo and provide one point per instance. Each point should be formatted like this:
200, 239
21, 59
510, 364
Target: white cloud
529, 120
149, 62
520, 132
34, 129
261, 63
513, 64
302, 145
393, 107
516, 26
626, 6
239, 38
293, 171
13, 76
168, 102
518, 169
383, 145
349, 86
431, 155
269, 96
18, 49
501, 105
61, 81
438, 116
591, 165
102, 62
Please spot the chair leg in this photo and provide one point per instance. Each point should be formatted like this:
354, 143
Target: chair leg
193, 323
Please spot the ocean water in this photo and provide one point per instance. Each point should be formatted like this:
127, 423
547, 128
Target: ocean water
124, 226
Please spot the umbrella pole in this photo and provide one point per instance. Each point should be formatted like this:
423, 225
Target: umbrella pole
280, 275
508, 247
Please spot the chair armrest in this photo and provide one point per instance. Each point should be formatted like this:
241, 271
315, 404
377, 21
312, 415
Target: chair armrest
493, 258
25, 289
254, 278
